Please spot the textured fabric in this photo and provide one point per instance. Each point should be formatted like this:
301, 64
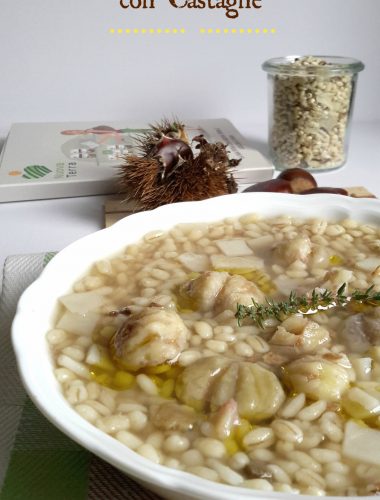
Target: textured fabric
37, 461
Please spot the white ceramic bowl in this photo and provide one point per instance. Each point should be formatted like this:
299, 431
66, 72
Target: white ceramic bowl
36, 310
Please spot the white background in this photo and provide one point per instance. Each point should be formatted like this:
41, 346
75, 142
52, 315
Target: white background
59, 62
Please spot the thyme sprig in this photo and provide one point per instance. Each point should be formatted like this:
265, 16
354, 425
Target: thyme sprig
304, 304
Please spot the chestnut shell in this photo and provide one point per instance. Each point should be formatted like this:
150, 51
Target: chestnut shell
330, 190
272, 186
300, 179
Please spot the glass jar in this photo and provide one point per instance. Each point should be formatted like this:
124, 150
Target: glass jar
310, 109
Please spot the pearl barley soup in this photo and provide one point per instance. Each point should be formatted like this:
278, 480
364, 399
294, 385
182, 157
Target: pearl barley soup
245, 351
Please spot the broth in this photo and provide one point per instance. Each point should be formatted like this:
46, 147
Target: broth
148, 349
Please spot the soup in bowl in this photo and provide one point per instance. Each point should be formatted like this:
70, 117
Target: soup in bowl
236, 340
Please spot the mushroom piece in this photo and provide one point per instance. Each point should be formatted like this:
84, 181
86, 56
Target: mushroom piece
258, 469
303, 335
361, 331
149, 338
173, 417
210, 383
372, 325
353, 335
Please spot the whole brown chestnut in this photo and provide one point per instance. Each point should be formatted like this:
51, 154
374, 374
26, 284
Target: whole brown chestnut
330, 190
300, 179
169, 151
272, 186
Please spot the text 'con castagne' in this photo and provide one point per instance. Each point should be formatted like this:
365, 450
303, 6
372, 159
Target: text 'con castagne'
231, 7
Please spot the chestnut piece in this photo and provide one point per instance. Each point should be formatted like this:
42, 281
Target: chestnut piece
300, 179
326, 190
272, 186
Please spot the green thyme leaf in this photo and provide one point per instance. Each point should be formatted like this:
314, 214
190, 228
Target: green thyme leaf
304, 304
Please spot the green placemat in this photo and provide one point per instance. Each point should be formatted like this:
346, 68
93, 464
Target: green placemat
37, 461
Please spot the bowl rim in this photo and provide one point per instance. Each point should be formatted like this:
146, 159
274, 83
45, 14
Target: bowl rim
30, 309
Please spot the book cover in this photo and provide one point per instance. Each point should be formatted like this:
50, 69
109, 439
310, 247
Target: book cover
54, 160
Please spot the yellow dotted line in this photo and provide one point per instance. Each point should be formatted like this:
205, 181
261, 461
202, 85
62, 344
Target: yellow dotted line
203, 31
235, 31
143, 31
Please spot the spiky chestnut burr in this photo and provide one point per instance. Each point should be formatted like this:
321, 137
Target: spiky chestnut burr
147, 142
170, 173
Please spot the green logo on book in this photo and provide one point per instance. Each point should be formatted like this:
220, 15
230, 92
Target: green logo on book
35, 171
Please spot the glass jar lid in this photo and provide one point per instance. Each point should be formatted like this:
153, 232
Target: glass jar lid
312, 65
